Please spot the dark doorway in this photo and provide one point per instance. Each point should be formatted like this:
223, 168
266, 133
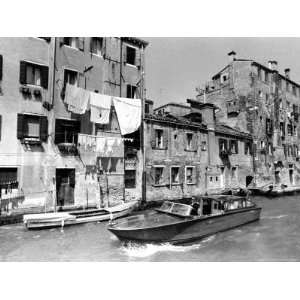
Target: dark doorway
248, 180
291, 174
65, 184
206, 210
277, 177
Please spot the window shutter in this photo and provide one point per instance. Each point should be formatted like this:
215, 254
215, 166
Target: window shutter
165, 139
43, 129
81, 43
152, 141
1, 66
45, 76
20, 126
181, 174
166, 175
23, 65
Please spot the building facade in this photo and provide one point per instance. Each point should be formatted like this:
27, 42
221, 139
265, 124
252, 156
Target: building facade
47, 152
259, 100
189, 153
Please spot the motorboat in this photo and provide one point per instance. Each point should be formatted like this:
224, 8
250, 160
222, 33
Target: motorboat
180, 223
61, 219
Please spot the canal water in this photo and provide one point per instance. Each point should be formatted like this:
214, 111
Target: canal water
276, 237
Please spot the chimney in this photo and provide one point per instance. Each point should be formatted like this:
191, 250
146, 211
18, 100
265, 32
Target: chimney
270, 64
231, 56
274, 65
287, 72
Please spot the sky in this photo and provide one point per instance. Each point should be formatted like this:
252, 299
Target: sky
176, 66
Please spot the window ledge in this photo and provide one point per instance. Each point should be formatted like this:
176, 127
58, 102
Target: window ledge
130, 65
71, 47
156, 148
160, 185
97, 55
175, 183
190, 183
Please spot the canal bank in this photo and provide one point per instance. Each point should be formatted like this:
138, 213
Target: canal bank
274, 238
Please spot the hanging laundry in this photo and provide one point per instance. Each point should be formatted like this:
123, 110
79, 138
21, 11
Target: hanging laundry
100, 108
128, 113
77, 99
100, 144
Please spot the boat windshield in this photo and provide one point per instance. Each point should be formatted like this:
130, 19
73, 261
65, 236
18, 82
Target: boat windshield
177, 209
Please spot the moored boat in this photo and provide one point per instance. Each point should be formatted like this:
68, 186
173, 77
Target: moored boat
61, 219
180, 223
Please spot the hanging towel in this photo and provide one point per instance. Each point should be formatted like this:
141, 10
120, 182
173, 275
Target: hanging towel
100, 108
77, 99
128, 113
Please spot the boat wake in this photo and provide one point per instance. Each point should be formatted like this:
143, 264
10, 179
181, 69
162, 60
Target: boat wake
274, 217
133, 249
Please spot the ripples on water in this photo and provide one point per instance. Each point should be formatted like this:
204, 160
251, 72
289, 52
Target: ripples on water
132, 249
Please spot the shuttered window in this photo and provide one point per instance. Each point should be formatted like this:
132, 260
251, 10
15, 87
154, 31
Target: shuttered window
31, 126
34, 74
222, 145
66, 131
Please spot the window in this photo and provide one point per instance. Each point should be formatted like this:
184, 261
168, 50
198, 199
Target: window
233, 146
159, 138
32, 127
262, 144
174, 175
130, 55
248, 148
222, 145
259, 73
287, 86
70, 77
158, 175
190, 175
131, 91
270, 149
71, 41
290, 129
147, 108
47, 39
203, 146
266, 79
282, 129
189, 141
8, 179
96, 46
269, 126
130, 179
66, 131
33, 74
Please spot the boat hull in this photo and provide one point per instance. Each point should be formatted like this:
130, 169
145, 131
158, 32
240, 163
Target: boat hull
189, 230
44, 221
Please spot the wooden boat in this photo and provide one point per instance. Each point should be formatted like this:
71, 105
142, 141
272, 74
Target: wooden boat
61, 219
264, 190
180, 223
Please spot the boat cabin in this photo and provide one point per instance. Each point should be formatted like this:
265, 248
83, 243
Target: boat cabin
206, 206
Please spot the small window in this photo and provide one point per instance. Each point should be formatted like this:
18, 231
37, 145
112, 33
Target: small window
147, 108
248, 148
189, 175
217, 178
33, 74
71, 42
233, 146
159, 138
210, 179
266, 79
174, 175
131, 91
233, 172
71, 77
189, 140
8, 178
158, 176
203, 146
130, 55
97, 45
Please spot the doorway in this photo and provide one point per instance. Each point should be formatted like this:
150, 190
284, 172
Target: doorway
65, 185
277, 177
248, 180
291, 175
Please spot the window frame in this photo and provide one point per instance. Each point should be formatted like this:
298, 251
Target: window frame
70, 70
193, 175
178, 174
133, 91
72, 37
135, 56
160, 183
161, 138
102, 45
